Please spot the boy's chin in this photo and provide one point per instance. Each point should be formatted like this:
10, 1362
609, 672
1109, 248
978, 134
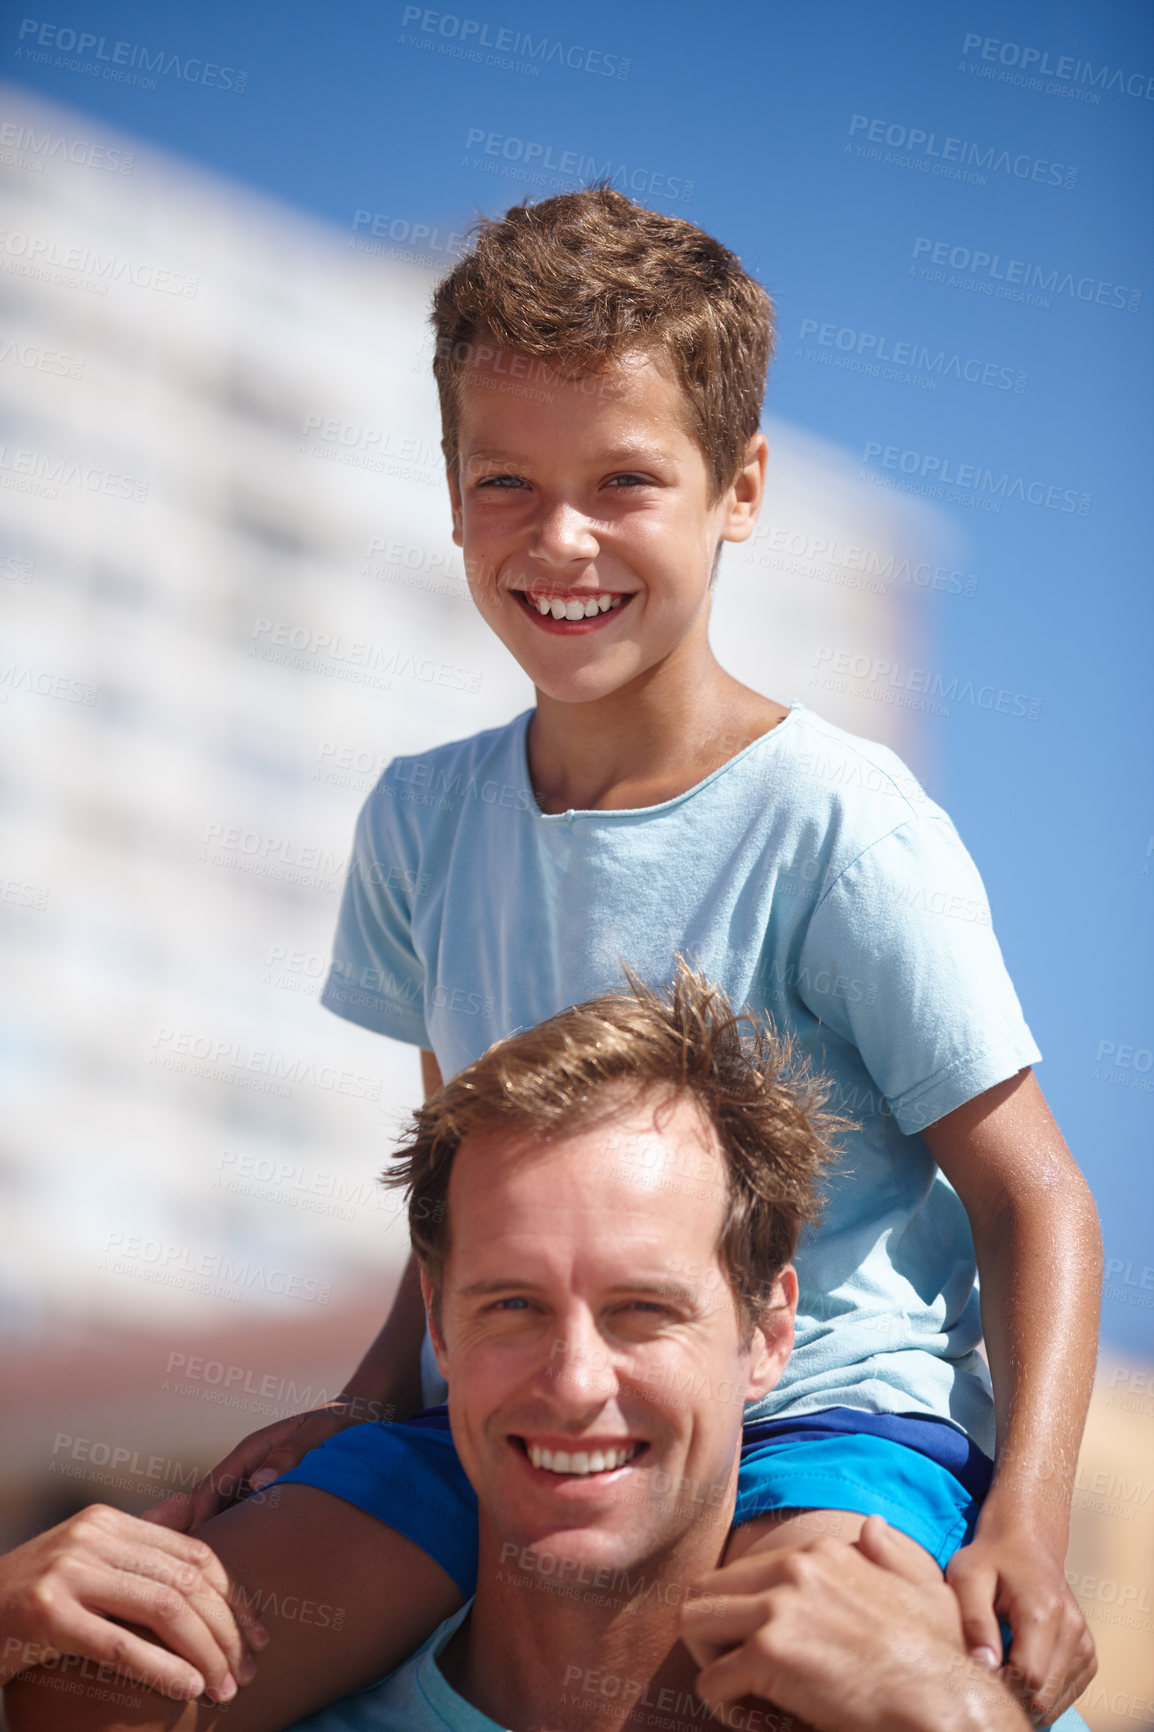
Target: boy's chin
580, 685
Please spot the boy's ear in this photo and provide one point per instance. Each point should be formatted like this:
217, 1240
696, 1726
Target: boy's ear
455, 503
773, 1336
747, 491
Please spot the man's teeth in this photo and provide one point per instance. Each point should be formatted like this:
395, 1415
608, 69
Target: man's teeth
580, 1460
576, 607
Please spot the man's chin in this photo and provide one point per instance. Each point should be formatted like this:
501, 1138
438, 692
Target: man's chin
584, 1558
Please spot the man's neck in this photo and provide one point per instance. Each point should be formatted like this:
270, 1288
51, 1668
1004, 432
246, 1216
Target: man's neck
584, 1650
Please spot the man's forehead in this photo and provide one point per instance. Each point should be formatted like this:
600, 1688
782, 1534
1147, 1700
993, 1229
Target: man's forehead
647, 1168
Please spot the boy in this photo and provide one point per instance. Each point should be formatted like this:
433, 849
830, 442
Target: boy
601, 371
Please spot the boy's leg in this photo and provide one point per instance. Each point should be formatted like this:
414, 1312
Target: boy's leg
794, 1486
344, 1599
792, 1527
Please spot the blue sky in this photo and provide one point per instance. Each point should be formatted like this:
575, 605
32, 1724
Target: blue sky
772, 131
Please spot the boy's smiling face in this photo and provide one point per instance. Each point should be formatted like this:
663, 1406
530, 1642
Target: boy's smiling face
592, 505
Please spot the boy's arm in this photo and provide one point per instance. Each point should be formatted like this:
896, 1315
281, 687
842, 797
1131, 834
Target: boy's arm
1039, 1256
390, 1372
385, 1385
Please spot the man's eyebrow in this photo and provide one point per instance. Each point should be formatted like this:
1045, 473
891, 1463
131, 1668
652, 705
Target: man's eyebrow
504, 1284
657, 1286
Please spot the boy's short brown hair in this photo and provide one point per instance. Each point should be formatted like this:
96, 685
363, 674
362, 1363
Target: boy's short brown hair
578, 280
766, 1108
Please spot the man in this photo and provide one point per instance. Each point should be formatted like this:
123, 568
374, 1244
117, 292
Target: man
606, 1288
604, 1209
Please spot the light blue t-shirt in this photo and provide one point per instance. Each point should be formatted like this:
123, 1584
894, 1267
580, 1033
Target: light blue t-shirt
417, 1697
813, 879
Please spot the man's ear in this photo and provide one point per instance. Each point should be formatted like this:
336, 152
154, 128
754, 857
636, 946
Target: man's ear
773, 1336
434, 1322
748, 489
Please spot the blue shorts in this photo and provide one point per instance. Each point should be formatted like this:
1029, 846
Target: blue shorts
923, 1475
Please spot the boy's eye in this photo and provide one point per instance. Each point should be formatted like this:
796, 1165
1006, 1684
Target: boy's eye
501, 481
631, 480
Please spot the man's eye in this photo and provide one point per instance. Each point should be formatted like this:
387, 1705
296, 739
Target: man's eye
501, 481
514, 1303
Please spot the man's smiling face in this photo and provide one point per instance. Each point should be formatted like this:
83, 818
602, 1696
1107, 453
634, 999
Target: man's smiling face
584, 508
596, 1362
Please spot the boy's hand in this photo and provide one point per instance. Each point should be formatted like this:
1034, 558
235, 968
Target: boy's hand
846, 1637
73, 1589
260, 1458
1012, 1574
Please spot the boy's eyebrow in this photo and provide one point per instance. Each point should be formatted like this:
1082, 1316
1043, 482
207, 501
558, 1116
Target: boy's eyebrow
620, 454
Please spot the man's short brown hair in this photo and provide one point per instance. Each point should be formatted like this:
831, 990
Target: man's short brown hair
585, 1063
579, 280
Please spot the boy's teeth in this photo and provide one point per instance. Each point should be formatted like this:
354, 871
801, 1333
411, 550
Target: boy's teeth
576, 607
579, 1461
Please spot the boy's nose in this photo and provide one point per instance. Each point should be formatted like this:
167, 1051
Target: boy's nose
563, 535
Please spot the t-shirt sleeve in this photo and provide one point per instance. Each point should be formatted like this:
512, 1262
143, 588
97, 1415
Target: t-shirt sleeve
377, 979
900, 959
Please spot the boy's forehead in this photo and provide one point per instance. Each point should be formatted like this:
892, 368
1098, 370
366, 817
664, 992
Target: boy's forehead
502, 393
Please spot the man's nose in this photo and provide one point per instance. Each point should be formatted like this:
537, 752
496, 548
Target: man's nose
579, 1367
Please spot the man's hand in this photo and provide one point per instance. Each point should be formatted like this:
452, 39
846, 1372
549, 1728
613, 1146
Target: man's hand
1011, 1574
60, 1592
260, 1458
846, 1637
